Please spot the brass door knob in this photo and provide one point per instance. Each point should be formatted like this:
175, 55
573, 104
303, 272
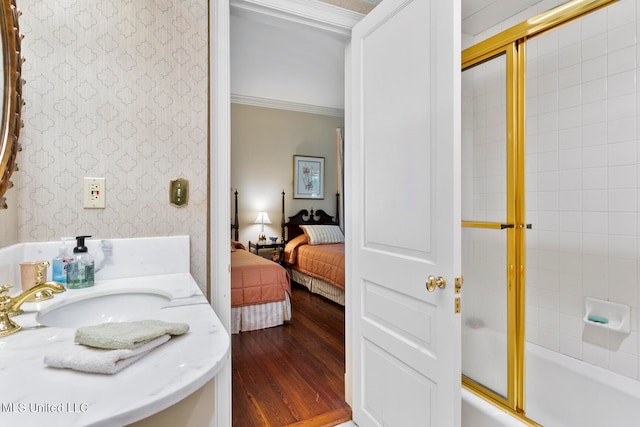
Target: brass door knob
433, 283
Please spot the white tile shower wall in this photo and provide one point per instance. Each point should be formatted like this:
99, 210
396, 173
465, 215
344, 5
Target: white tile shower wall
115, 89
582, 181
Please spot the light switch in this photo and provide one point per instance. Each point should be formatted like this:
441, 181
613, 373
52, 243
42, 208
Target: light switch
179, 192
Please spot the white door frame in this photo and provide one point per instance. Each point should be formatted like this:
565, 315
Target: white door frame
318, 15
219, 204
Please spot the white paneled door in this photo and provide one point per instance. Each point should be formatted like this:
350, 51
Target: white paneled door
403, 195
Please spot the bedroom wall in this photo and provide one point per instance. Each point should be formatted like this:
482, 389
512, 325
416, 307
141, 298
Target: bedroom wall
263, 142
287, 94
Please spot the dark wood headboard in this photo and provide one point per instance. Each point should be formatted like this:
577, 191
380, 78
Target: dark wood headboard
305, 217
235, 227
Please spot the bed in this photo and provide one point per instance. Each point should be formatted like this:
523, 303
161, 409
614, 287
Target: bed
314, 252
260, 288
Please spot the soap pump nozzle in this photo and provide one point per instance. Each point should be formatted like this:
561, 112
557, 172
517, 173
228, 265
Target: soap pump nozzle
80, 247
64, 246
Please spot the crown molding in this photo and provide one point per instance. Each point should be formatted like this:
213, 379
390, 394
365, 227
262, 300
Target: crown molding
286, 105
308, 14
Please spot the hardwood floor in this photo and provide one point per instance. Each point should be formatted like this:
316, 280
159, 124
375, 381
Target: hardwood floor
292, 375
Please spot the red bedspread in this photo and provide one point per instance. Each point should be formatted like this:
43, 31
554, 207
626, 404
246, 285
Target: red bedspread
324, 262
256, 280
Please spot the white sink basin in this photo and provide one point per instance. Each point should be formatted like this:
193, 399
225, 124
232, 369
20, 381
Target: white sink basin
117, 306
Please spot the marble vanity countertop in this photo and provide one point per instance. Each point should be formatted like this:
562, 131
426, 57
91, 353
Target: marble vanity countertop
33, 394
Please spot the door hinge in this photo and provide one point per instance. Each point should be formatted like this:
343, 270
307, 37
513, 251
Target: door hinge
457, 305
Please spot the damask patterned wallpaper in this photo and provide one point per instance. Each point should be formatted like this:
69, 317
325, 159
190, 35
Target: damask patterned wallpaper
114, 89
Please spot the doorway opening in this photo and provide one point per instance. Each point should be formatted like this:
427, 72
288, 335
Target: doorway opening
273, 125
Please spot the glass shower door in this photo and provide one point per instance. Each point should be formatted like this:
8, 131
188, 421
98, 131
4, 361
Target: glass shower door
485, 227
570, 74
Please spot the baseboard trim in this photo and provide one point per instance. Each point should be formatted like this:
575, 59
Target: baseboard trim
328, 419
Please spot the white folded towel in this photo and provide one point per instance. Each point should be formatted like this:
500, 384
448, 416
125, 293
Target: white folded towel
97, 360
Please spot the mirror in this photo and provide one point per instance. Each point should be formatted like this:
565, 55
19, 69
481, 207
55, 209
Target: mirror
12, 97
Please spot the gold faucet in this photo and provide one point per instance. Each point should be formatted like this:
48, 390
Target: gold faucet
44, 294
10, 306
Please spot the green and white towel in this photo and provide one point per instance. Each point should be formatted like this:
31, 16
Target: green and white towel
127, 335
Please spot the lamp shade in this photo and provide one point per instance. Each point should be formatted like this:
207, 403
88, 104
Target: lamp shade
262, 218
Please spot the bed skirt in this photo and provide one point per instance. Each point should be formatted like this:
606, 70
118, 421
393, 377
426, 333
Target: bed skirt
260, 316
318, 286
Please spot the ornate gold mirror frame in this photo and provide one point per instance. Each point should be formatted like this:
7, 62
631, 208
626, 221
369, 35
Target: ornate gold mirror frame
12, 97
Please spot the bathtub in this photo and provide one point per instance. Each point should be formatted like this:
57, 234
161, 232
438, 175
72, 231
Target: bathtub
561, 392
476, 412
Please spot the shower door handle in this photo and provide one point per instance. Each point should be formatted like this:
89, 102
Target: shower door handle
433, 283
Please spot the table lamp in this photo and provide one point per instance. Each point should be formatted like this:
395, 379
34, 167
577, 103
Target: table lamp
263, 219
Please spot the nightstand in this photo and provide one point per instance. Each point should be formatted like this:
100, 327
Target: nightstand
257, 246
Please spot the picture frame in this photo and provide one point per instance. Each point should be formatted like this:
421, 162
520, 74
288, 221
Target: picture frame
308, 177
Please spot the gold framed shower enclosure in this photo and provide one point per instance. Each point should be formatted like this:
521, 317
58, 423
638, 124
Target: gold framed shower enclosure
512, 44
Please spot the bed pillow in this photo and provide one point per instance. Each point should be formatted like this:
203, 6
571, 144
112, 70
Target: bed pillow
237, 245
323, 234
291, 248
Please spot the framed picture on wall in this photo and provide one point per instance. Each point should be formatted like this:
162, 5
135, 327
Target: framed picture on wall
308, 177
